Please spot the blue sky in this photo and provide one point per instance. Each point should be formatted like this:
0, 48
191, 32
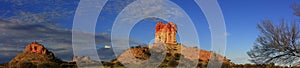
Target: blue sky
241, 18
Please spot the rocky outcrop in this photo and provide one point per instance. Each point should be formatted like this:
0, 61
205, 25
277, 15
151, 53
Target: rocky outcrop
84, 61
35, 47
165, 33
166, 45
141, 55
138, 53
35, 55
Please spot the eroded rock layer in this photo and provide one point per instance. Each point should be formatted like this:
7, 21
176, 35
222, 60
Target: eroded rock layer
166, 33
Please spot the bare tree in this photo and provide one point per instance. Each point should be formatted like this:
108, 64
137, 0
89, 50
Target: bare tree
276, 43
296, 8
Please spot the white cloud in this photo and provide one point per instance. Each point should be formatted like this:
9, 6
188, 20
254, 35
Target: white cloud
148, 8
20, 27
16, 35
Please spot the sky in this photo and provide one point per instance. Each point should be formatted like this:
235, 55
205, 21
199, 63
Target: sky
50, 22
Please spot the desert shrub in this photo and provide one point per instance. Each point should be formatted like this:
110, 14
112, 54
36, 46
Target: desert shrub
271, 65
107, 64
168, 54
146, 48
68, 65
172, 63
177, 56
113, 60
118, 64
225, 65
48, 65
27, 65
138, 46
147, 53
199, 65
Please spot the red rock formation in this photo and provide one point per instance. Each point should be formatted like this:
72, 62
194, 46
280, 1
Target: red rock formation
36, 55
166, 33
35, 47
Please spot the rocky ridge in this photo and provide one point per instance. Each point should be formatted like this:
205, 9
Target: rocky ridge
37, 56
166, 45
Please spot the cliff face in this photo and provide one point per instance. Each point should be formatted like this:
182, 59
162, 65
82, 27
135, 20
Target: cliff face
165, 33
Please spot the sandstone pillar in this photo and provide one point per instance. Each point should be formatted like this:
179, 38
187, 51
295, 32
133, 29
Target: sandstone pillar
166, 33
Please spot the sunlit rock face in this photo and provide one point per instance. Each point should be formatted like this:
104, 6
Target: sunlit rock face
166, 33
36, 56
84, 60
35, 47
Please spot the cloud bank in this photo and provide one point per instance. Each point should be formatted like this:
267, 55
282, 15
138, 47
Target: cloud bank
23, 22
15, 36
